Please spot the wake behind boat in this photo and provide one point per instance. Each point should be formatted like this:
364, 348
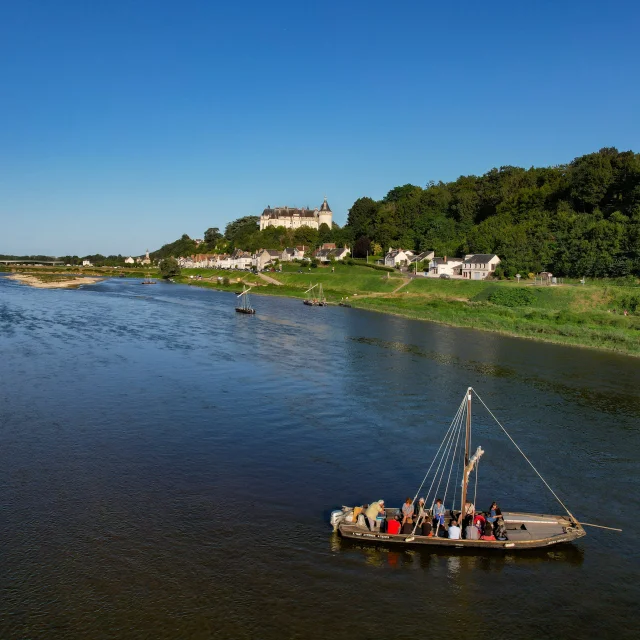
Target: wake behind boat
454, 521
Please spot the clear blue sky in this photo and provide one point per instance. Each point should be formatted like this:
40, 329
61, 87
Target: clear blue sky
124, 124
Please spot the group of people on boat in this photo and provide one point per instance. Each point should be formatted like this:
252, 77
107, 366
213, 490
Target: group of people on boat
414, 518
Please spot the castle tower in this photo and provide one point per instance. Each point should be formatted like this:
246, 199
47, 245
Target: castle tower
325, 215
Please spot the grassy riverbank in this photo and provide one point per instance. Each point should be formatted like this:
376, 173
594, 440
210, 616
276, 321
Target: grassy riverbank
590, 315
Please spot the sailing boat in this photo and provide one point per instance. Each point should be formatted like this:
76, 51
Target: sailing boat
244, 306
311, 299
148, 280
322, 301
521, 530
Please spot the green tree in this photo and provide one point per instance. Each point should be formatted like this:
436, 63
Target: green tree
169, 268
212, 235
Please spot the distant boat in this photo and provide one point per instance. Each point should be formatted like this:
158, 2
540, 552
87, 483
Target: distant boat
315, 298
148, 280
244, 306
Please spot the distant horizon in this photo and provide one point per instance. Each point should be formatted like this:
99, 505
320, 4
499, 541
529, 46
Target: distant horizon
129, 124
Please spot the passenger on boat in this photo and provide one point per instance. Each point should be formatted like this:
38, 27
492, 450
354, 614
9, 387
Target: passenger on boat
438, 513
469, 511
421, 512
427, 529
454, 530
375, 509
494, 513
393, 526
407, 510
488, 532
407, 527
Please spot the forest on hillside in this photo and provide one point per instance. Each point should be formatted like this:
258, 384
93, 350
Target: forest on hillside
578, 219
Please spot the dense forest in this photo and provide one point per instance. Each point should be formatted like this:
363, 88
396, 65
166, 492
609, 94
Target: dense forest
580, 219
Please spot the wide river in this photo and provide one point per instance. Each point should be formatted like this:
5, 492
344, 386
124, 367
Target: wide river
167, 468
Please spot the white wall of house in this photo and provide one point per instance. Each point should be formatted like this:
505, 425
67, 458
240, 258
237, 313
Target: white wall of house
472, 270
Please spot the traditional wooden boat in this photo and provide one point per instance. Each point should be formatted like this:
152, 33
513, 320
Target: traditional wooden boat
244, 306
520, 530
311, 300
148, 280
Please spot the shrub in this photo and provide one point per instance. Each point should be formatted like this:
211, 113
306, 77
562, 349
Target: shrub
512, 297
225, 281
364, 263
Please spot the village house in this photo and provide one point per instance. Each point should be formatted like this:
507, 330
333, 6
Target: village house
129, 260
397, 257
425, 256
145, 260
451, 267
479, 266
241, 259
266, 257
293, 253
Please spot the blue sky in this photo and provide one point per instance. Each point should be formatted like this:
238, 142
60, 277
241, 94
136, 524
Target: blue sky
124, 124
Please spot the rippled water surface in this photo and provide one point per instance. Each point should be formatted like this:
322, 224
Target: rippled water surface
167, 467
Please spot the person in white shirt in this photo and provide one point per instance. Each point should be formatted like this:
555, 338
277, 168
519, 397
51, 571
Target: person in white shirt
454, 530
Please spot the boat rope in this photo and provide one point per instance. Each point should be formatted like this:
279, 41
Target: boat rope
453, 456
460, 408
449, 451
475, 490
525, 457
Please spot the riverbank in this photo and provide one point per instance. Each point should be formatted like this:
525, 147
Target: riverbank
53, 281
589, 315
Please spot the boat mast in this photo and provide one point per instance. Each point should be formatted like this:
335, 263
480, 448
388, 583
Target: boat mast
467, 445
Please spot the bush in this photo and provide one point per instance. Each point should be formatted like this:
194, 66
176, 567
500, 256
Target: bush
508, 297
630, 303
225, 281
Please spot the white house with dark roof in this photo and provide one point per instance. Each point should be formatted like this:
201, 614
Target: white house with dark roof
397, 257
451, 267
478, 266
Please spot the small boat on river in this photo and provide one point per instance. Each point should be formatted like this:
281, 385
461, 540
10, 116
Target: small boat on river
148, 280
518, 530
315, 296
244, 306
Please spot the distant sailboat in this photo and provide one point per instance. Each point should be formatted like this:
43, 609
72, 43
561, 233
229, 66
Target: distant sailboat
148, 280
244, 305
315, 296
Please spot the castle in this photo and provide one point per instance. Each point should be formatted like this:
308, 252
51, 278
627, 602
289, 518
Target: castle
294, 218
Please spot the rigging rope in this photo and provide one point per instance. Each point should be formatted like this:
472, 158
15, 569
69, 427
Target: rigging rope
525, 457
451, 426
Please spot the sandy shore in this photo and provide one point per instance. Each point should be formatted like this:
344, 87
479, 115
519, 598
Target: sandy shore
67, 283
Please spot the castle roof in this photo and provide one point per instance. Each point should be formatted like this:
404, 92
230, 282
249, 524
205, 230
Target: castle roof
287, 212
325, 206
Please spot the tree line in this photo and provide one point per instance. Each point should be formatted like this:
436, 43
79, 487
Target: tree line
579, 219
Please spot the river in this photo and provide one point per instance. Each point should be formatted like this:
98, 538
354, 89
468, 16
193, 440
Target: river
167, 468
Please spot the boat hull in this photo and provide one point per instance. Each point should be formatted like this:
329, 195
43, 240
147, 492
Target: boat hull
524, 531
247, 311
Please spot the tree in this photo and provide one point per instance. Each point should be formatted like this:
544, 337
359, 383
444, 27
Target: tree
362, 247
212, 235
169, 268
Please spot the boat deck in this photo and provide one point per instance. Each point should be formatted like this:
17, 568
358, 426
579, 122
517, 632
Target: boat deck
524, 531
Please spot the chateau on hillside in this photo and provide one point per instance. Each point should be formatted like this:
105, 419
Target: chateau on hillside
294, 218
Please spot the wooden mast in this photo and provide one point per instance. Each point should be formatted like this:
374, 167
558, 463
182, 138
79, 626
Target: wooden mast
467, 445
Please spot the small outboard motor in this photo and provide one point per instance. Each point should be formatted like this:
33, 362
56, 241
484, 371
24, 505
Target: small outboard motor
340, 515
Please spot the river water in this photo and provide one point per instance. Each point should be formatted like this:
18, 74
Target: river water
167, 468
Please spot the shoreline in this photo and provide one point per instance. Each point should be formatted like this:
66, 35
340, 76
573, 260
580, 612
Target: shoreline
37, 283
548, 339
